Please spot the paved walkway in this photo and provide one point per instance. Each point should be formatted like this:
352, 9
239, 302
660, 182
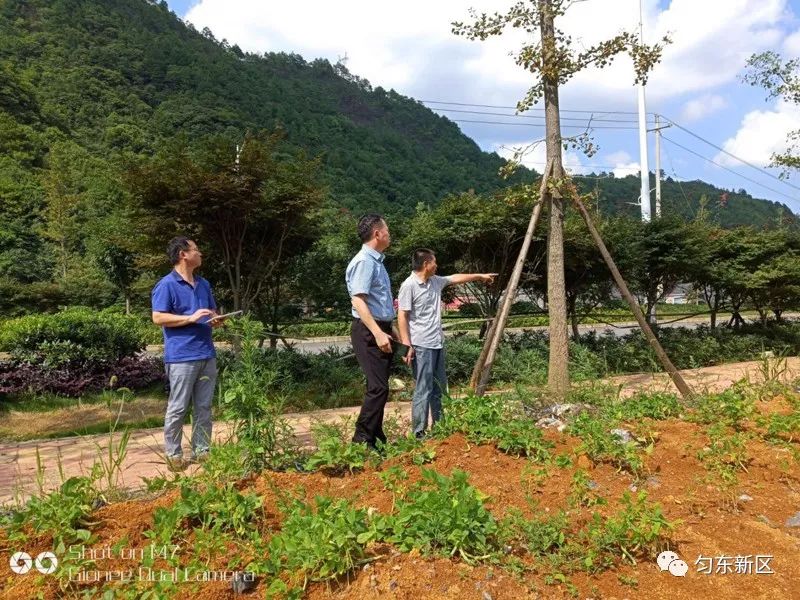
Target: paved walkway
20, 476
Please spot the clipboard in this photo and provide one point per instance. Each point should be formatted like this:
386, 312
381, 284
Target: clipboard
225, 316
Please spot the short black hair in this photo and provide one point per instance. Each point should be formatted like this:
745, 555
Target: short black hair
175, 246
420, 257
368, 224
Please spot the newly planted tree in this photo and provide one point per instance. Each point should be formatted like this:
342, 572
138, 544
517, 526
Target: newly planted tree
553, 59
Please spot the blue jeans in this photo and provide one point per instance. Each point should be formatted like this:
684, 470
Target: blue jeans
190, 383
431, 380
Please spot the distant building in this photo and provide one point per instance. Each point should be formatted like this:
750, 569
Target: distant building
682, 293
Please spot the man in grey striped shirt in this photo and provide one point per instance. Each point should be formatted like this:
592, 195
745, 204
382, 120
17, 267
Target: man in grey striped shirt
419, 317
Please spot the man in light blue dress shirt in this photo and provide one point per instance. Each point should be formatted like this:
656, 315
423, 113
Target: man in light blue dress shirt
373, 312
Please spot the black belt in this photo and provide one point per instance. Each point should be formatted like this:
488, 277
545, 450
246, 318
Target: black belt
378, 321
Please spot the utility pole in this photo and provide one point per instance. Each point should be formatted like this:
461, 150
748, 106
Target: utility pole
658, 168
657, 130
645, 171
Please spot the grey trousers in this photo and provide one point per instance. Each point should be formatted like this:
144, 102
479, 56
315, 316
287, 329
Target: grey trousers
190, 383
428, 366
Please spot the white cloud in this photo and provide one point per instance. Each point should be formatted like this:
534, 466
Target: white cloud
618, 157
761, 133
409, 46
791, 45
625, 169
702, 107
622, 163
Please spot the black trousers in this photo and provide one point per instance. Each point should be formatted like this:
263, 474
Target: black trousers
376, 365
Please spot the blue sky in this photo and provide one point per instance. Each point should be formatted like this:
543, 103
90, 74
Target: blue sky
409, 47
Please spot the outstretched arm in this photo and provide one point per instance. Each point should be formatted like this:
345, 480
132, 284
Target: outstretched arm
459, 278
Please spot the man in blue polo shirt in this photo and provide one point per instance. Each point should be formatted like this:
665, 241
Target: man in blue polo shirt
183, 306
373, 312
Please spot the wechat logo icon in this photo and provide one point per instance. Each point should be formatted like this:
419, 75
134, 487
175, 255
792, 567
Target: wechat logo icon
669, 561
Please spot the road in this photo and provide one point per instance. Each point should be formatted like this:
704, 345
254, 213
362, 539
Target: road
317, 345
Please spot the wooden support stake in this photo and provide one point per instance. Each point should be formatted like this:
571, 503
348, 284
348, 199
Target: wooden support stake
666, 363
483, 368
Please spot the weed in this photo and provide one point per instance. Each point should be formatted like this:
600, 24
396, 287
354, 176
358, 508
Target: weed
634, 531
320, 541
335, 456
423, 455
726, 453
628, 580
601, 445
250, 397
785, 427
207, 506
563, 461
652, 405
445, 515
493, 419
540, 535
582, 493
394, 480
63, 513
730, 407
521, 437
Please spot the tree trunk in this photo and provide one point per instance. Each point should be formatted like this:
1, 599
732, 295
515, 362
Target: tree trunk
572, 300
557, 373
276, 297
127, 304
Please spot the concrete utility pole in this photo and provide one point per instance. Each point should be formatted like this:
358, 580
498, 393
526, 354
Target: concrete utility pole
658, 169
645, 171
657, 129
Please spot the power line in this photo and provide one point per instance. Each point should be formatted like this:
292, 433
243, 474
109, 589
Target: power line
587, 126
495, 114
741, 160
680, 185
605, 112
726, 168
604, 167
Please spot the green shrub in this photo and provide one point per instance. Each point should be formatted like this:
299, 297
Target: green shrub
470, 309
75, 336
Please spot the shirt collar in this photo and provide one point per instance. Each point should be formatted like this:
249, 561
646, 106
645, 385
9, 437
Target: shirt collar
373, 253
418, 279
177, 277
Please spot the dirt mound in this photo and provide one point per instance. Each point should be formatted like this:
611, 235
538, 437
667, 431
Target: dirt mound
734, 529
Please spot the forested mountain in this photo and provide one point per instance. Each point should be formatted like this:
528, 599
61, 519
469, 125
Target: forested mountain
90, 87
123, 75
